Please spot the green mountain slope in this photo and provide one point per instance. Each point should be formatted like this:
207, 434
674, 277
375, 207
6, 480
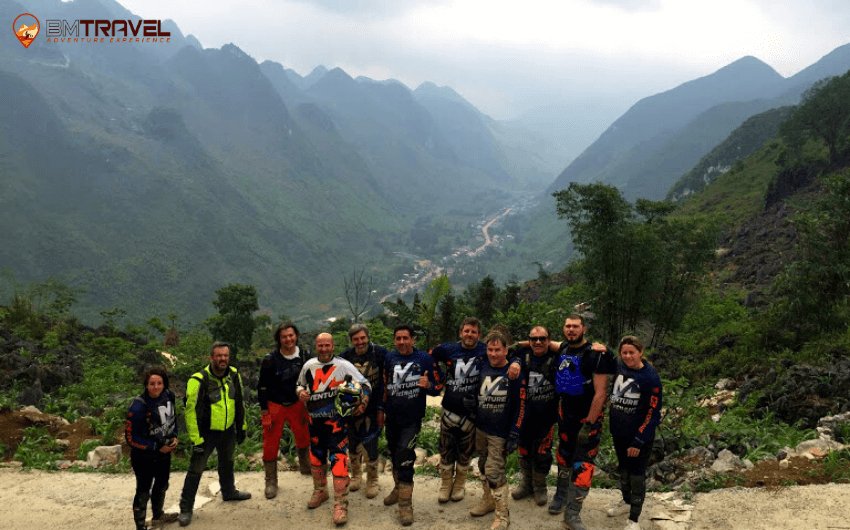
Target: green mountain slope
751, 135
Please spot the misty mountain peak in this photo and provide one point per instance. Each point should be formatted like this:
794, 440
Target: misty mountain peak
319, 71
749, 65
429, 89
337, 74
234, 50
194, 42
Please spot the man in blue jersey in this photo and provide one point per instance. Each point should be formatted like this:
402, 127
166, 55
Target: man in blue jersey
409, 376
581, 376
462, 362
535, 444
500, 413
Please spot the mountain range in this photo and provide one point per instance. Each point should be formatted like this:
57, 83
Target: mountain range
662, 137
150, 176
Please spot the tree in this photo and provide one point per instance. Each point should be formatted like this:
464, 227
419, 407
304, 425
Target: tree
234, 322
156, 328
815, 289
640, 265
111, 315
485, 298
823, 114
358, 289
173, 318
510, 300
427, 307
447, 320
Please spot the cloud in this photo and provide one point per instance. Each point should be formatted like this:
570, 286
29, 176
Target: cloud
631, 5
505, 56
371, 8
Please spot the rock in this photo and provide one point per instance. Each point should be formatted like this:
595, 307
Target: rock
722, 396
818, 447
828, 425
421, 456
63, 443
725, 384
104, 454
64, 464
748, 464
433, 461
726, 461
783, 464
702, 453
473, 469
31, 409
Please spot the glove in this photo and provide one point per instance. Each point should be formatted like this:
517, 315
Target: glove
584, 434
198, 449
267, 421
240, 436
511, 444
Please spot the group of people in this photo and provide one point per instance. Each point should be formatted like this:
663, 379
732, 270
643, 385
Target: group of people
497, 397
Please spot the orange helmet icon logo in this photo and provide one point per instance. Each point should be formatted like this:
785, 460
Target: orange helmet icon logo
27, 30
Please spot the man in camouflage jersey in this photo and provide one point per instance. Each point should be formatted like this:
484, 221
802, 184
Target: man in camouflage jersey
364, 432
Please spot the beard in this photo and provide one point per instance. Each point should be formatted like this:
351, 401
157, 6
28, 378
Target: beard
577, 341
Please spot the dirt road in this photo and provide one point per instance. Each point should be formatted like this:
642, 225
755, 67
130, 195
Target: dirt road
39, 500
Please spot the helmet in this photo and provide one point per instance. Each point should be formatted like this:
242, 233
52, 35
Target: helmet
348, 396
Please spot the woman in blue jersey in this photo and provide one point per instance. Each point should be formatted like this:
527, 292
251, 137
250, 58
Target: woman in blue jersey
151, 433
635, 414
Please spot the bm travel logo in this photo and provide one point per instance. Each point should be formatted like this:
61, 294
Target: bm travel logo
27, 27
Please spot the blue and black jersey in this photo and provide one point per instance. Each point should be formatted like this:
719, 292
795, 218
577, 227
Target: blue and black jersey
635, 403
463, 367
501, 402
541, 400
404, 400
151, 423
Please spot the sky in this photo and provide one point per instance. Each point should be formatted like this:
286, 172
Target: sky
511, 58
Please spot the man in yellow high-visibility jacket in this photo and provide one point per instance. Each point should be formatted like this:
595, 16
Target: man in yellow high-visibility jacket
215, 420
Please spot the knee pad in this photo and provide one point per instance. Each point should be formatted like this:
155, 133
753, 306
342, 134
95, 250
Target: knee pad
583, 474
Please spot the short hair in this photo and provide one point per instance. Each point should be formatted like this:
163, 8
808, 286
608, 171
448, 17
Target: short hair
497, 336
219, 344
548, 336
282, 326
501, 329
470, 321
575, 316
630, 340
357, 328
402, 327
155, 370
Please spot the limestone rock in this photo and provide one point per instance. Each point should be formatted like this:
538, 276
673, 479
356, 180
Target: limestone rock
104, 454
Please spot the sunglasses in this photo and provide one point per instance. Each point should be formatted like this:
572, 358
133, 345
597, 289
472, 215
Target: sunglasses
537, 339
